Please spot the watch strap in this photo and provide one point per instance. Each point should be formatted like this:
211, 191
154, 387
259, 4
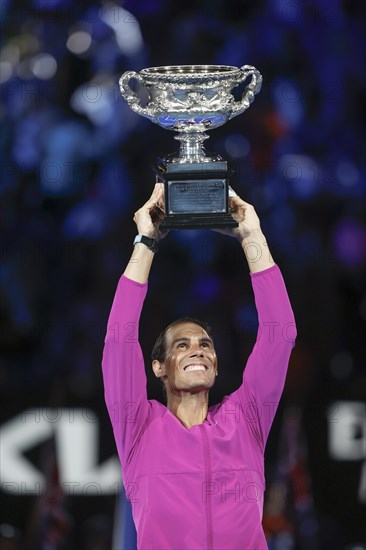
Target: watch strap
152, 244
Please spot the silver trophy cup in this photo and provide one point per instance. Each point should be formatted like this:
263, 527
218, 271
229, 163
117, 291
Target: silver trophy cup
191, 99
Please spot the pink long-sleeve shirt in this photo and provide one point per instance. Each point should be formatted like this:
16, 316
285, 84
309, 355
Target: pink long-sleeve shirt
197, 488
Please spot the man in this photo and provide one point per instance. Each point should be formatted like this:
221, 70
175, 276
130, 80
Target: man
194, 474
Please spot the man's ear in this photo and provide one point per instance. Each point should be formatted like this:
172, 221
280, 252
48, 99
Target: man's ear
158, 368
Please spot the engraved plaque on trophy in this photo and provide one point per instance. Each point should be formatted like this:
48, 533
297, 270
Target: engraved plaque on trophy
191, 99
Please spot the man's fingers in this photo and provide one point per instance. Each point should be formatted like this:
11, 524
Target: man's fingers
152, 210
236, 202
246, 204
156, 195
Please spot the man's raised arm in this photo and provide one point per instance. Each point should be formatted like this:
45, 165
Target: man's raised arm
265, 373
147, 220
123, 365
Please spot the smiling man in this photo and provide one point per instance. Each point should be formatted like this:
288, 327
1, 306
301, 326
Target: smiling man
195, 474
184, 358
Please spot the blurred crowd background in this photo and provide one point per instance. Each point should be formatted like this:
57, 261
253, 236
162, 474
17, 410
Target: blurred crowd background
76, 164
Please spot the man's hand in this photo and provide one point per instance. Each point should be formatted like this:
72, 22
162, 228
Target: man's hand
147, 218
249, 234
151, 214
245, 215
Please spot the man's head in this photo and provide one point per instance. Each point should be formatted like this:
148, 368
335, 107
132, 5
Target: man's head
184, 357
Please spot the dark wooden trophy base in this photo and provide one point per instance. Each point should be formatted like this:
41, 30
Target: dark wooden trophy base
196, 195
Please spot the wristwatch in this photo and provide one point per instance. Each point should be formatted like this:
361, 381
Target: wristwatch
147, 241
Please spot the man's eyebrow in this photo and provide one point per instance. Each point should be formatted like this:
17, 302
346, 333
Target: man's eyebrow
179, 340
206, 339
185, 339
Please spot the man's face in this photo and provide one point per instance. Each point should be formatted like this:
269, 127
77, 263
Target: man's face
190, 362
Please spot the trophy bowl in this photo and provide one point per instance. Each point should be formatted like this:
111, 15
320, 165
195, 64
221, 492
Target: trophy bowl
191, 99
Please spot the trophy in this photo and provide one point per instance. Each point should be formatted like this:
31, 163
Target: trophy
191, 99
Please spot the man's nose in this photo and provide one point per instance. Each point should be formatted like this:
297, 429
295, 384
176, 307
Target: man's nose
196, 350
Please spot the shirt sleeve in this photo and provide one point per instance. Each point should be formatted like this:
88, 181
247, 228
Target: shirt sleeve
265, 372
123, 367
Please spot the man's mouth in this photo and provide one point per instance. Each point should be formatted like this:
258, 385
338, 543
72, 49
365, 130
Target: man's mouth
195, 367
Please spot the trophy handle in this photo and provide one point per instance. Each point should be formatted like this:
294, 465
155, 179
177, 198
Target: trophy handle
130, 96
250, 91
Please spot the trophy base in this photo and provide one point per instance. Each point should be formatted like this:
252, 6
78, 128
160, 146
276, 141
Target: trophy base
196, 195
197, 221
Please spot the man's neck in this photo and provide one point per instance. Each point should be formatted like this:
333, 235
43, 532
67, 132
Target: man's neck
190, 408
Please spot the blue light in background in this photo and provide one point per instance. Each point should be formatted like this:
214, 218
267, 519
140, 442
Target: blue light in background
5, 4
247, 318
114, 185
302, 174
349, 238
283, 218
289, 101
144, 7
15, 296
68, 140
51, 4
126, 27
347, 173
237, 146
89, 219
95, 100
206, 287
350, 179
66, 148
276, 189
27, 141
235, 50
288, 12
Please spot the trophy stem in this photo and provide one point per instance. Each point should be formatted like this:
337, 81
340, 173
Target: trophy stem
191, 147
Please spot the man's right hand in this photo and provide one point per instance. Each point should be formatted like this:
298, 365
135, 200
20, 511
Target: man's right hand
151, 214
147, 218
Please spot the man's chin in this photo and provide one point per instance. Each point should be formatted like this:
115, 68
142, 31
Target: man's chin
197, 386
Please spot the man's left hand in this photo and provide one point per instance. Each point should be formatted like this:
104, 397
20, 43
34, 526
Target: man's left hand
245, 215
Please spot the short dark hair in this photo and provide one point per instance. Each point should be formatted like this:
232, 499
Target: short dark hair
159, 350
